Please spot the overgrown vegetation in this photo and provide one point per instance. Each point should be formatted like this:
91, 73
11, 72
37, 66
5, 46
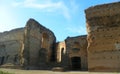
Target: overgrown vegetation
1, 72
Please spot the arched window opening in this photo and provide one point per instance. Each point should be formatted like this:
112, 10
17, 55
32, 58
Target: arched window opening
62, 50
45, 40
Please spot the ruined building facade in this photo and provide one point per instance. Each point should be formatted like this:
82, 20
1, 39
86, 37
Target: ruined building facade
103, 27
76, 49
72, 53
30, 47
35, 46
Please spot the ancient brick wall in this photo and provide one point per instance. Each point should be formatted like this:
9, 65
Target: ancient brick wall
103, 27
31, 47
76, 49
11, 43
39, 42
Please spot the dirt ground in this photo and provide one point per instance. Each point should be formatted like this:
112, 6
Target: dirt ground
17, 71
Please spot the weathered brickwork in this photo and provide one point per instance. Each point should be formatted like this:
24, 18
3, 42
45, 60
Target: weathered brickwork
10, 46
38, 45
31, 47
103, 27
76, 49
35, 47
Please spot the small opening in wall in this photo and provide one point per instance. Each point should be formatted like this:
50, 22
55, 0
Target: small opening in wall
62, 50
15, 58
45, 40
2, 60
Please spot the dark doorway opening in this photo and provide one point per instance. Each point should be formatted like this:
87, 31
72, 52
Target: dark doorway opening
2, 60
76, 63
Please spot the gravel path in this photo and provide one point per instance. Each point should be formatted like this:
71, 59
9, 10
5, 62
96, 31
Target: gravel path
17, 71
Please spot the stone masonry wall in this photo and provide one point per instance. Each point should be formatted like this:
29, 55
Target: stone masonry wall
31, 47
103, 27
39, 43
77, 47
10, 45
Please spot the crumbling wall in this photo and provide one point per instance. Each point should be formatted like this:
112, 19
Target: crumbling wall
103, 27
77, 47
10, 46
38, 45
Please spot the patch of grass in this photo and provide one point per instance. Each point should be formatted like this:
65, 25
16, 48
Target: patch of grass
1, 72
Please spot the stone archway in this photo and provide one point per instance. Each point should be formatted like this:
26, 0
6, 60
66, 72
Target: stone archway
61, 54
76, 63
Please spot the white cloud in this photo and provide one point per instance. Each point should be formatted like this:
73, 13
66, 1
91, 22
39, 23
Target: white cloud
48, 5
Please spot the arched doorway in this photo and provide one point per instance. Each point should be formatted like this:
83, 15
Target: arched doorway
76, 63
61, 54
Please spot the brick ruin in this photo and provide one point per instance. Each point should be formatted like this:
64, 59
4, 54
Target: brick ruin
34, 46
103, 27
30, 47
76, 49
10, 46
72, 53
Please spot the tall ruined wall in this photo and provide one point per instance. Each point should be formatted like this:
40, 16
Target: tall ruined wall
10, 45
39, 43
103, 27
76, 49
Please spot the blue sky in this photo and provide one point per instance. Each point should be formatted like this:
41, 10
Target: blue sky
64, 17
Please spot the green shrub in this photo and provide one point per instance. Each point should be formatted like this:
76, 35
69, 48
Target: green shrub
1, 72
